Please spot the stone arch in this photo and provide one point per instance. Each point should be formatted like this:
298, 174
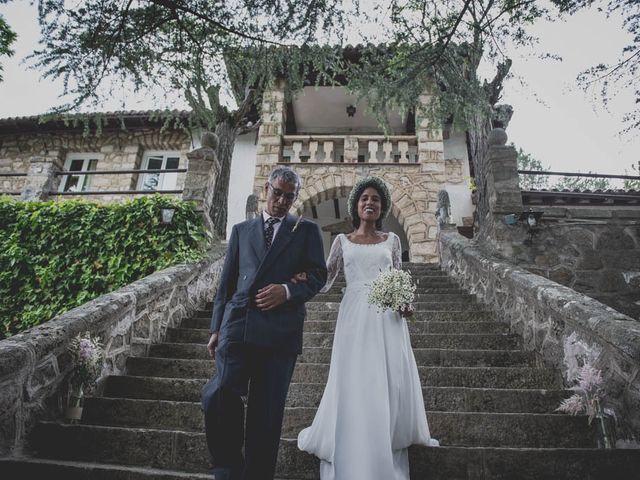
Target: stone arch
410, 200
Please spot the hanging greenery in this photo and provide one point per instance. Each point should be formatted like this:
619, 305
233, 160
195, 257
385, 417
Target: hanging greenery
57, 255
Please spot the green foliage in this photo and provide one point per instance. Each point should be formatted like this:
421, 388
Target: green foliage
7, 37
582, 183
527, 162
57, 255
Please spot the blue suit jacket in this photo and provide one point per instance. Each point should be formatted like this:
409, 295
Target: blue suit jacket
249, 266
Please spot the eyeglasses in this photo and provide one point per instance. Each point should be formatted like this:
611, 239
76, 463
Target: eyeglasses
289, 196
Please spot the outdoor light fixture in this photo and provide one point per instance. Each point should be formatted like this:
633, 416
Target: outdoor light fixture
351, 110
532, 219
167, 215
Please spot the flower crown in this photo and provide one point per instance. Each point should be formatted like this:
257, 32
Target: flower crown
361, 185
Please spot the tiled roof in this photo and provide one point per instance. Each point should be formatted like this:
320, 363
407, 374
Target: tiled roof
581, 197
69, 121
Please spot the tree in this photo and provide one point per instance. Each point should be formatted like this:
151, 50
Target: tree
99, 46
527, 162
7, 37
623, 72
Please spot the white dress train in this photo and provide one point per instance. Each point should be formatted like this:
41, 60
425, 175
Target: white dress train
372, 408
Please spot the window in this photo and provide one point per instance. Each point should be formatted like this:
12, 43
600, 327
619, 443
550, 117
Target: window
159, 161
78, 162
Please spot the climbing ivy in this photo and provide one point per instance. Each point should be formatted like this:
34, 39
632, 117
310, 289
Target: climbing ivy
57, 255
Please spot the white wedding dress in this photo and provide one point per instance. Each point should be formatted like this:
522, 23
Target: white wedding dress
372, 408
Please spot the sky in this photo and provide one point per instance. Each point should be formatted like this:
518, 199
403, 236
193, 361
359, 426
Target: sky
554, 120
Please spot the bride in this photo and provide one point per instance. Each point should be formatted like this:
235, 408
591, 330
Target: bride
372, 408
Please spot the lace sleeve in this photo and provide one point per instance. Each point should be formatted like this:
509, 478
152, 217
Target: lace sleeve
396, 252
334, 263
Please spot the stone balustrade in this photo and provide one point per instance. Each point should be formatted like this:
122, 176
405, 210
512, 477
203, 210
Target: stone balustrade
349, 149
35, 364
547, 315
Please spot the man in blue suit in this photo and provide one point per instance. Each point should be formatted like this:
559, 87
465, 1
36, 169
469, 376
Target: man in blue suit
256, 331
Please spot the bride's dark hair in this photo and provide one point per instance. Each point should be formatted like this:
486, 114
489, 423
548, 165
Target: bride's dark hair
356, 193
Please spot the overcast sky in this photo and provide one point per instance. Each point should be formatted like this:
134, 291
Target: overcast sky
553, 120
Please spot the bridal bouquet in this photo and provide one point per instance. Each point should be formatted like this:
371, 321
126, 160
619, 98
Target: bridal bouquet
392, 290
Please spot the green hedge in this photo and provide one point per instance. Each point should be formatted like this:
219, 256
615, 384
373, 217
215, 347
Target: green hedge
57, 255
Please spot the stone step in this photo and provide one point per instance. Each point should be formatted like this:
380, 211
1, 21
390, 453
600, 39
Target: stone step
30, 468
186, 451
439, 316
189, 389
117, 448
424, 356
419, 298
314, 305
187, 415
485, 429
201, 335
419, 306
488, 463
480, 341
436, 316
436, 340
456, 399
427, 357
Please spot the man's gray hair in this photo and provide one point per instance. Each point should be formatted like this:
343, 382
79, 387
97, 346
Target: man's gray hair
287, 175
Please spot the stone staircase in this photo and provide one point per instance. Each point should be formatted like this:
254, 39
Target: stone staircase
489, 402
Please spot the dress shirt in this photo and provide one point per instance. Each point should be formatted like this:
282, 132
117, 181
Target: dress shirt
276, 227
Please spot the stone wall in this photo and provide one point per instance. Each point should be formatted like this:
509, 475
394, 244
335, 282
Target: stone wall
115, 150
546, 314
594, 250
35, 364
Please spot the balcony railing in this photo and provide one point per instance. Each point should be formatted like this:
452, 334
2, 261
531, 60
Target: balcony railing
349, 149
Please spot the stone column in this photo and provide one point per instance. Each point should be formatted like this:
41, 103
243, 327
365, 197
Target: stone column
41, 177
269, 145
503, 194
203, 170
350, 151
423, 235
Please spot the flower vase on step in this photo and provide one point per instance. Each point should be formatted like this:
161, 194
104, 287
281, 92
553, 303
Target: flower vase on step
75, 404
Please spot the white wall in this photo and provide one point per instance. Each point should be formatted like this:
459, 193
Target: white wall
455, 147
243, 172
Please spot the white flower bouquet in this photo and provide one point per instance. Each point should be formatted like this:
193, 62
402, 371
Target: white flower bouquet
392, 290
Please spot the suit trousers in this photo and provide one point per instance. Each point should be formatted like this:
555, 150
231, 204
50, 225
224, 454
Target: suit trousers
264, 375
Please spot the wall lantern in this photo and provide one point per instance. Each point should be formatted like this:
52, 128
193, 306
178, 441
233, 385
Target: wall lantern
351, 110
167, 215
532, 219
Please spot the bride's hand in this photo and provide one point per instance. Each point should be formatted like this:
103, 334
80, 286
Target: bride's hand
299, 277
407, 311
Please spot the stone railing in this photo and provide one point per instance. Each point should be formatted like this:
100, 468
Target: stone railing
35, 364
546, 314
349, 149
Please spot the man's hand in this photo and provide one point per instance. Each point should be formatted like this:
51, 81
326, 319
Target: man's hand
299, 277
270, 297
213, 343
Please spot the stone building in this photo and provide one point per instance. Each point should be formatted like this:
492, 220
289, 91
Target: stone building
323, 133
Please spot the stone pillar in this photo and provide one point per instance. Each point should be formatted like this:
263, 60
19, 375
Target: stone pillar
350, 152
203, 170
423, 240
503, 194
41, 177
269, 144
